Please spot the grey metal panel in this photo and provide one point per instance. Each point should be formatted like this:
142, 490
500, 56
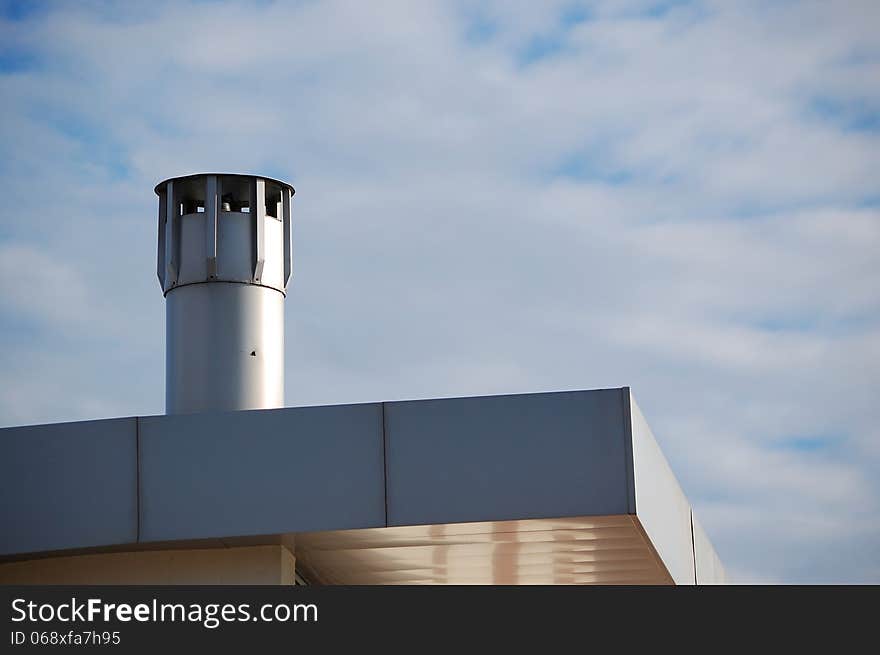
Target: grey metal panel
212, 214
505, 457
193, 249
286, 199
68, 485
160, 262
261, 472
661, 505
172, 237
258, 209
274, 266
709, 567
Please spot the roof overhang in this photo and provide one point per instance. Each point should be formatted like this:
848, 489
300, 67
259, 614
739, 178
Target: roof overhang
550, 487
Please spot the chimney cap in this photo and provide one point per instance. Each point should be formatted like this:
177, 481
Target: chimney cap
161, 185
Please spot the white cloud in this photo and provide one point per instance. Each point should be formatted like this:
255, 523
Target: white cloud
667, 201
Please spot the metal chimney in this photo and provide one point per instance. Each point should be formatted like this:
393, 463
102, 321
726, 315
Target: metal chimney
224, 264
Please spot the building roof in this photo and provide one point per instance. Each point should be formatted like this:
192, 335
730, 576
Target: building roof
548, 487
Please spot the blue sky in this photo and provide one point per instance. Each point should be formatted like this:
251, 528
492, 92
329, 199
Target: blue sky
491, 197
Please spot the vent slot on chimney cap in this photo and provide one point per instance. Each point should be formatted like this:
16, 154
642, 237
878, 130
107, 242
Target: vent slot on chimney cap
235, 193
273, 200
190, 193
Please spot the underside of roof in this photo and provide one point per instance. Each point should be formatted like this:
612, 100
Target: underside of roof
582, 550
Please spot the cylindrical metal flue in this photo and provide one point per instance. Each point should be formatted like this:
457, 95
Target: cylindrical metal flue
224, 262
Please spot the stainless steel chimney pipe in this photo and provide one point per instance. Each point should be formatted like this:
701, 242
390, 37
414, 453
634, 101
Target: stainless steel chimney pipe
224, 263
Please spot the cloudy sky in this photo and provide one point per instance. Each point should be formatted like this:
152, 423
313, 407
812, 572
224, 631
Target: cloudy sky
492, 197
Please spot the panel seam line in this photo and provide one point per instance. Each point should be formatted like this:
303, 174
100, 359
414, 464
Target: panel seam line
693, 546
385, 464
137, 445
